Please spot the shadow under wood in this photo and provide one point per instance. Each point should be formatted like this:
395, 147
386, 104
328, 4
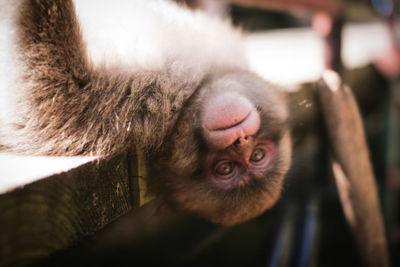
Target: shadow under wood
149, 235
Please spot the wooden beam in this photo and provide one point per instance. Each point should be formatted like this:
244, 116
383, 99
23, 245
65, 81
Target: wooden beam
55, 212
352, 168
328, 6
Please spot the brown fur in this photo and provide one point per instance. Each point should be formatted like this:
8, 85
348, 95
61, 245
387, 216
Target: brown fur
181, 166
78, 110
72, 109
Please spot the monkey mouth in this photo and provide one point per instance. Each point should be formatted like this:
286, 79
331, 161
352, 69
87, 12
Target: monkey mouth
225, 111
223, 137
235, 124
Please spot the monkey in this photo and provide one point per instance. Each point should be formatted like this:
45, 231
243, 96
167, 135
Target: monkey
98, 78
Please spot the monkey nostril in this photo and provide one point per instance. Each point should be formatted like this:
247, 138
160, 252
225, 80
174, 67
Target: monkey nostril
241, 141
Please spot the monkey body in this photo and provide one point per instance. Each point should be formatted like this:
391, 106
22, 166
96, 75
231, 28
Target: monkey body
148, 76
138, 41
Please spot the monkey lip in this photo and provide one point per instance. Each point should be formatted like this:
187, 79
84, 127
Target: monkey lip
224, 137
228, 117
226, 111
232, 125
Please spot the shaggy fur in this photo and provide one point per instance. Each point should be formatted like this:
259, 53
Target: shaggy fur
90, 84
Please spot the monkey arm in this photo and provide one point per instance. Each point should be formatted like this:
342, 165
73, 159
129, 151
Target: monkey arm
48, 35
80, 110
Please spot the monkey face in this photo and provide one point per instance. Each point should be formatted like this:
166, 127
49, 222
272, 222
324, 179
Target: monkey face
234, 165
229, 152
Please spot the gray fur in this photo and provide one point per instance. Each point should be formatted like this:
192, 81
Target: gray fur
69, 107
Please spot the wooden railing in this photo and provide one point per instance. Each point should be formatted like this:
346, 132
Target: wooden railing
53, 212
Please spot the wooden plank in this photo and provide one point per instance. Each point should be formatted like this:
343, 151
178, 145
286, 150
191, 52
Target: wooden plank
53, 213
352, 168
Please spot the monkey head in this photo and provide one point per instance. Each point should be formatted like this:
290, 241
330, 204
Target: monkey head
227, 156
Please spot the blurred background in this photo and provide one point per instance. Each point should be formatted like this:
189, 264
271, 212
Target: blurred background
290, 42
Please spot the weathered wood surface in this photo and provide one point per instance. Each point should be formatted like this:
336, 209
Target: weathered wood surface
55, 212
352, 168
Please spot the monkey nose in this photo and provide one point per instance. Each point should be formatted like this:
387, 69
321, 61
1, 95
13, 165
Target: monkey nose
241, 141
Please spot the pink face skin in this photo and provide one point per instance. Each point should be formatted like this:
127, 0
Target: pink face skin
231, 125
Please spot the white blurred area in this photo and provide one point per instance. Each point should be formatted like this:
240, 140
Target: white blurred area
16, 171
293, 56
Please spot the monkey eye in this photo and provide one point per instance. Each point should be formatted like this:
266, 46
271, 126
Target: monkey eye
258, 155
224, 168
